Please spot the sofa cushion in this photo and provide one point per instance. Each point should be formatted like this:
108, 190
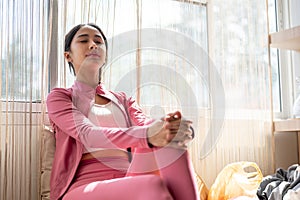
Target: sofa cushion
47, 156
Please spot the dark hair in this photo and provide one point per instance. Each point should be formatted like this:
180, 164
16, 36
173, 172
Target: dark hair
70, 35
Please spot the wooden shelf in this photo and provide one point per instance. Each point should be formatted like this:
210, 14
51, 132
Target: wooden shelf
286, 39
289, 125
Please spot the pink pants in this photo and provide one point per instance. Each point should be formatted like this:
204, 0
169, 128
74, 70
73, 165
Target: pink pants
114, 178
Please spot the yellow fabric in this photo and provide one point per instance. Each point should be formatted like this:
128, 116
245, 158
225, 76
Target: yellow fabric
234, 181
202, 189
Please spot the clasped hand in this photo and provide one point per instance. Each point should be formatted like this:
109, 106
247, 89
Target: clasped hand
172, 130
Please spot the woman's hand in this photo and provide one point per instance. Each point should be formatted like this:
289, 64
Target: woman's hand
171, 130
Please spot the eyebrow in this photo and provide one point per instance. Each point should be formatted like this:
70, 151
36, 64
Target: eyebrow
87, 35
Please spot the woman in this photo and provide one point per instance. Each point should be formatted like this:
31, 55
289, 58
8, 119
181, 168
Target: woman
94, 128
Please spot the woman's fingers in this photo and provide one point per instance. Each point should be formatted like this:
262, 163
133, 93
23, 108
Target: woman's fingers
176, 124
178, 145
173, 131
181, 127
180, 137
173, 116
180, 133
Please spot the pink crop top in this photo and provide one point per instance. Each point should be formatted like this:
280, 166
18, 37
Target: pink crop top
108, 115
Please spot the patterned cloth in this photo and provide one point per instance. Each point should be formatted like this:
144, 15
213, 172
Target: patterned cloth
278, 185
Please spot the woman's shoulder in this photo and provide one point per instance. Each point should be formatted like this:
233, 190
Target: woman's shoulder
59, 92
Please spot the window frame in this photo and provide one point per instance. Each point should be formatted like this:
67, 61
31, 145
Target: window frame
287, 62
46, 5
53, 57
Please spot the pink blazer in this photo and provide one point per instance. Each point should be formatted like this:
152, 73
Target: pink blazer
68, 110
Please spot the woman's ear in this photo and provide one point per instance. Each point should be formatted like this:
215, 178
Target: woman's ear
67, 56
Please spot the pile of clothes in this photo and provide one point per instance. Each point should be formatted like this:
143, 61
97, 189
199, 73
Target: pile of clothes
284, 184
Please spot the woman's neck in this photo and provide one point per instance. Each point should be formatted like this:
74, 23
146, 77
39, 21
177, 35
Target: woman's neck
101, 100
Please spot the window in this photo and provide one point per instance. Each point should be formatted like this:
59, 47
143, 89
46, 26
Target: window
119, 19
23, 35
284, 15
161, 61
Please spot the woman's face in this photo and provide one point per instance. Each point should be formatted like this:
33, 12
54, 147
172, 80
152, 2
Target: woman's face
87, 48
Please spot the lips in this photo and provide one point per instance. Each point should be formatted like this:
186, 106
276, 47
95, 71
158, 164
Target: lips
93, 54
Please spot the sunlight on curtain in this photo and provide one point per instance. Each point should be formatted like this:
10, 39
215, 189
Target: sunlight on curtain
114, 17
23, 54
238, 44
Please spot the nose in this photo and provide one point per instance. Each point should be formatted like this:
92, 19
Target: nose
93, 45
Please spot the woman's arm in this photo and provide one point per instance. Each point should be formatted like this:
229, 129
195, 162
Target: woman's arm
66, 117
135, 114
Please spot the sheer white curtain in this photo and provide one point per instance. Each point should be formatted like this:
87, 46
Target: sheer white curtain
238, 49
24, 31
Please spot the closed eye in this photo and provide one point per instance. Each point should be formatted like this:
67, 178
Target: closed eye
99, 42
